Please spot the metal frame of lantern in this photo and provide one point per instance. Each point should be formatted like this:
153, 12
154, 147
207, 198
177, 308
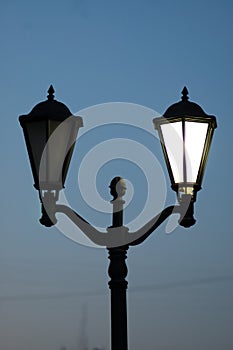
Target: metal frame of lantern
49, 169
52, 114
184, 112
117, 239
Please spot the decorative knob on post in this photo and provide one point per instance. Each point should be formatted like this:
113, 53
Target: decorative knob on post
117, 190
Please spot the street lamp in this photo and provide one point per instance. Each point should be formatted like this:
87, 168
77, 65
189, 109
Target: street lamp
185, 132
50, 164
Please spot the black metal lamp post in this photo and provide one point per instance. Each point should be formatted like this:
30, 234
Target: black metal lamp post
185, 132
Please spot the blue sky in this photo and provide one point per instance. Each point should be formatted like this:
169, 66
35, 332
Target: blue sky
141, 52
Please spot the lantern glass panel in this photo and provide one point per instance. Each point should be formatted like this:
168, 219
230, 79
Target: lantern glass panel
36, 134
61, 138
184, 142
194, 140
173, 142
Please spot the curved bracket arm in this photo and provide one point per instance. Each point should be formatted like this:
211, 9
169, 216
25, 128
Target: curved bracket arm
116, 236
92, 233
144, 232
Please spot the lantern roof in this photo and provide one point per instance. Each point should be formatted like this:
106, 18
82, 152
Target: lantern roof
186, 108
50, 108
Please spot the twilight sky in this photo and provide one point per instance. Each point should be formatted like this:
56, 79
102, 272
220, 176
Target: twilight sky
53, 291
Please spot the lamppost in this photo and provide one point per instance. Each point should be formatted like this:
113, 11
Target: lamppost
185, 132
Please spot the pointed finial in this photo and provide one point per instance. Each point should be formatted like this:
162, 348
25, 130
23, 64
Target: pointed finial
50, 93
185, 94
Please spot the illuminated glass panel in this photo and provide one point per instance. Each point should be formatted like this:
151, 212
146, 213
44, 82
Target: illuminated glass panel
195, 136
173, 140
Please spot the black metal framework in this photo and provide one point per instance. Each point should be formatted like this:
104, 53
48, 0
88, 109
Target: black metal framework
41, 122
184, 112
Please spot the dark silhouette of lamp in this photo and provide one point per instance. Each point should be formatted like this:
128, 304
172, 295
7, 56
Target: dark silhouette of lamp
185, 132
50, 156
